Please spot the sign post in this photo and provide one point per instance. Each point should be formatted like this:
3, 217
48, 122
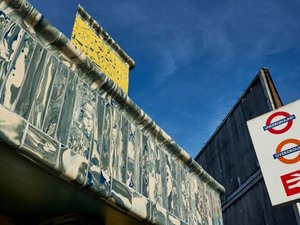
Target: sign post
276, 139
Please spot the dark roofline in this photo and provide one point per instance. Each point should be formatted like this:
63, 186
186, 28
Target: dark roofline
274, 97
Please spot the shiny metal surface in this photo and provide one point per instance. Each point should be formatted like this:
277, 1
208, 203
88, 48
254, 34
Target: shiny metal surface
64, 114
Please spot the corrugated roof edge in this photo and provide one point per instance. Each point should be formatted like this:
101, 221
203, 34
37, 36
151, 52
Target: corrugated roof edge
106, 37
60, 46
269, 83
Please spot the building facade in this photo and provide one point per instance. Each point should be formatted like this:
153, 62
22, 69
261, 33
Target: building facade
75, 149
230, 157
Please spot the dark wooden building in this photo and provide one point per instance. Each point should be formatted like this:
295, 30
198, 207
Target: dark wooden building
230, 158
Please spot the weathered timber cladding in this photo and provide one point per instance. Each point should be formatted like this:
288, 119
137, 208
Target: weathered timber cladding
255, 208
230, 158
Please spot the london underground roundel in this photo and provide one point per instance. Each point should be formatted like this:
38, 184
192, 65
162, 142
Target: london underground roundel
287, 121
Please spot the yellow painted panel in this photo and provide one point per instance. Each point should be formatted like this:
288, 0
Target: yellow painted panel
100, 53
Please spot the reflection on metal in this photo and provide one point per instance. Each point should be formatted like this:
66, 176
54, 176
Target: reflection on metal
95, 43
61, 111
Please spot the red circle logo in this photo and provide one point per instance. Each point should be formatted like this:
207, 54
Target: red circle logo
282, 130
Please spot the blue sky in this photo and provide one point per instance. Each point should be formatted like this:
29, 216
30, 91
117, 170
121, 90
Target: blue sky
194, 58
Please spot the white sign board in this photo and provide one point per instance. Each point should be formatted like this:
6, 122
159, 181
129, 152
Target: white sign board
276, 139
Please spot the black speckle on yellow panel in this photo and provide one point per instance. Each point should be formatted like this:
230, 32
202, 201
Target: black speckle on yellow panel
100, 53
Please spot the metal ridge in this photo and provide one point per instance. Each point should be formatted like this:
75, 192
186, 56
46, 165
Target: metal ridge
106, 37
60, 46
